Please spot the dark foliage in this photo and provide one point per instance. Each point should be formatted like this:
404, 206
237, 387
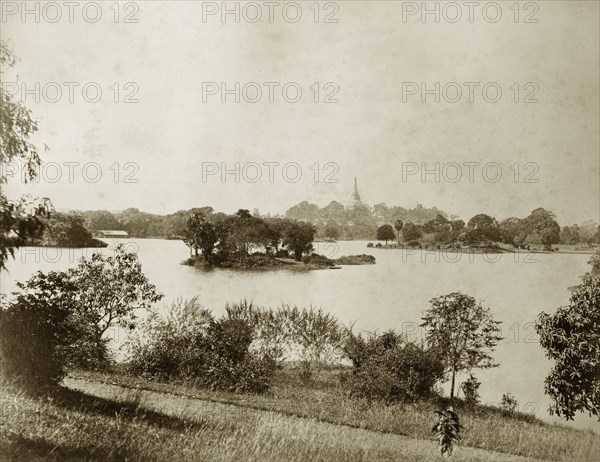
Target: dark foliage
389, 368
571, 337
36, 331
470, 389
189, 344
447, 430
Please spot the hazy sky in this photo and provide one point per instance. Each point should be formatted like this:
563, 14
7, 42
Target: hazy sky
374, 132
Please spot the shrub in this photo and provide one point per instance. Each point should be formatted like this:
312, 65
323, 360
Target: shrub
316, 337
317, 259
310, 335
388, 368
36, 329
271, 330
508, 404
447, 430
470, 389
87, 352
170, 346
190, 344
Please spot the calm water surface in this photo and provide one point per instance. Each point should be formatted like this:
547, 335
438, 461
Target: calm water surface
390, 294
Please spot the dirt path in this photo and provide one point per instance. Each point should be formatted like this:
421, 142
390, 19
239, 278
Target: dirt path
273, 422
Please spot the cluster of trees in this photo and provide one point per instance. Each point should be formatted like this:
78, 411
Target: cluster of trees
59, 319
586, 233
138, 223
331, 222
223, 238
538, 229
335, 221
65, 230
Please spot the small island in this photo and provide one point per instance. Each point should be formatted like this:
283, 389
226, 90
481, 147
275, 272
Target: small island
249, 242
261, 261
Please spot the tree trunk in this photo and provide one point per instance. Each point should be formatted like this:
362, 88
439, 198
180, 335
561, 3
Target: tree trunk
452, 387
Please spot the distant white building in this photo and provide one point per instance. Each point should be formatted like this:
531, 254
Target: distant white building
111, 233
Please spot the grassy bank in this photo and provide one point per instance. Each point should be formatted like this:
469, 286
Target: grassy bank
485, 427
93, 421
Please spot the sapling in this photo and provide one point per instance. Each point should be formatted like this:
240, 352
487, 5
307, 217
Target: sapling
447, 430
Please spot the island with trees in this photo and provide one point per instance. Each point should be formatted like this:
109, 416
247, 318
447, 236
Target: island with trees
246, 241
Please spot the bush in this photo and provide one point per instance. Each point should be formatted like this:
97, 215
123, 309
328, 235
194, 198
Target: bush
58, 320
470, 389
165, 347
36, 329
316, 259
508, 404
270, 328
315, 337
389, 368
190, 344
88, 352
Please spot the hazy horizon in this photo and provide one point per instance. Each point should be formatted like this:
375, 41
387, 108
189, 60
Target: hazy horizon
546, 152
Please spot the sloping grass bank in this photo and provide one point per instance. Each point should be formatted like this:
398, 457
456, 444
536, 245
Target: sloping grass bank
94, 421
485, 427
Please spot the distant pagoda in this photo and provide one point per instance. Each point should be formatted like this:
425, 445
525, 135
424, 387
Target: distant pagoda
355, 197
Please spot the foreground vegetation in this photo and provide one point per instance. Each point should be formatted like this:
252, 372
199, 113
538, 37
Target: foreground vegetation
380, 382
100, 422
486, 427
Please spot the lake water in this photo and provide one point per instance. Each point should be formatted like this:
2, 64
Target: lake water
389, 294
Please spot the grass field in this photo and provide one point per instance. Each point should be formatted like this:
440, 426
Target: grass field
485, 427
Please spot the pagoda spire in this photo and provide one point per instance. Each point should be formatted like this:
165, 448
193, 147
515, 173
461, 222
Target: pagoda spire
355, 198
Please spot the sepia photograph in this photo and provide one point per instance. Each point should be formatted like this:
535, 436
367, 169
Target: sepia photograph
293, 231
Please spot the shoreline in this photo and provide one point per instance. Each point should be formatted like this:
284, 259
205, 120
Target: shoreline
591, 251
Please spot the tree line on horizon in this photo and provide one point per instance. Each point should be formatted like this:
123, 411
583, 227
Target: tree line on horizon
539, 228
425, 226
